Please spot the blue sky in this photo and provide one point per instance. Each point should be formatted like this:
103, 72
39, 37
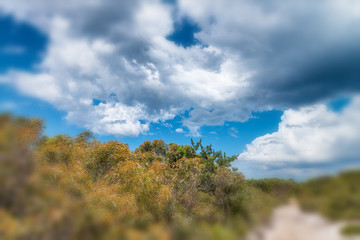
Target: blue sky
276, 83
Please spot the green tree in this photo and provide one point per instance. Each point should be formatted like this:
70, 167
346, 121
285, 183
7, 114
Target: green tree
157, 146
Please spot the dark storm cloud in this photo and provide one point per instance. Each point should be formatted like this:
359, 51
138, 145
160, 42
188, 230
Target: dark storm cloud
101, 20
310, 76
301, 52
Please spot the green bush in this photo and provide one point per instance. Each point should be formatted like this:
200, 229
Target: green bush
351, 229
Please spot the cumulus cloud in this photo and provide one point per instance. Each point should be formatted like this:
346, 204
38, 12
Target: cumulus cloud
179, 130
253, 56
308, 137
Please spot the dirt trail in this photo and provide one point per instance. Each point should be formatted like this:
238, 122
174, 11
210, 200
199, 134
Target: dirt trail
290, 223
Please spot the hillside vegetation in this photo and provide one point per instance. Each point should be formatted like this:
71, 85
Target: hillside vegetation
79, 188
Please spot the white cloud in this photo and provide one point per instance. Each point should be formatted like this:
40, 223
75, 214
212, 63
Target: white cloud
42, 86
168, 125
179, 130
154, 19
117, 119
233, 132
313, 135
78, 67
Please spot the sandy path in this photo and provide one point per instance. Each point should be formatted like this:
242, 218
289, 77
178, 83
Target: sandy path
290, 223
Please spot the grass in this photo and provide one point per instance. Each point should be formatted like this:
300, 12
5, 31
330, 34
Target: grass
351, 230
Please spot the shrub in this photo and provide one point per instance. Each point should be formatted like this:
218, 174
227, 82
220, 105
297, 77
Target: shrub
104, 156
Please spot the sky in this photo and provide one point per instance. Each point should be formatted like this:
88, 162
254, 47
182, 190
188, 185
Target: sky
275, 82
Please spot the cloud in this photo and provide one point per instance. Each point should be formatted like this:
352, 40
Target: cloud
42, 86
167, 125
312, 137
254, 56
179, 130
233, 132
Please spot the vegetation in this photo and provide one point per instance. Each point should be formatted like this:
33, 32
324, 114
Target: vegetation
351, 229
79, 188
337, 198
